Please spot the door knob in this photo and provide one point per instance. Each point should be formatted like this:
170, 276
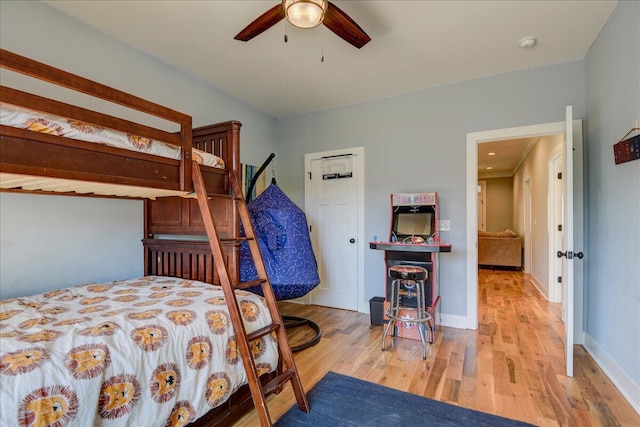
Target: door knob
352, 240
570, 254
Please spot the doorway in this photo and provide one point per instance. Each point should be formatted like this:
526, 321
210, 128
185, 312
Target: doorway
334, 205
570, 127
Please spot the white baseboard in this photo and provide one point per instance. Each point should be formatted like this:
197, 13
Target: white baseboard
539, 286
629, 389
453, 321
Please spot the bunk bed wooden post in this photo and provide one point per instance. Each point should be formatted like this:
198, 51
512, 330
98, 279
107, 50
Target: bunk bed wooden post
234, 149
185, 164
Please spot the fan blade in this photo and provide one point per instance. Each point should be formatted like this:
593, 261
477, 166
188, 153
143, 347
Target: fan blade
265, 21
345, 27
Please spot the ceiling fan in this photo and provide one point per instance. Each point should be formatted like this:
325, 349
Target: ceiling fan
308, 14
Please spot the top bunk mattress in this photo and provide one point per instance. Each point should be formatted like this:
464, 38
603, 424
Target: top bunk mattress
11, 115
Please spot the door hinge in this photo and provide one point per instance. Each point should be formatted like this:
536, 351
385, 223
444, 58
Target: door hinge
309, 229
559, 227
559, 279
309, 175
559, 175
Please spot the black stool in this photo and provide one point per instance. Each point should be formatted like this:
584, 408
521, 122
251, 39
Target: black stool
408, 275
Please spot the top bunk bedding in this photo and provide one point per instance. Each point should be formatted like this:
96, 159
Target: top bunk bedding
23, 118
43, 155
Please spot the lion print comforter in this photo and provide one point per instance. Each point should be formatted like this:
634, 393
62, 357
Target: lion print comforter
155, 351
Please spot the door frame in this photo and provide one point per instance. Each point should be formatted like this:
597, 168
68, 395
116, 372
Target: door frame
526, 223
475, 138
554, 211
358, 153
482, 185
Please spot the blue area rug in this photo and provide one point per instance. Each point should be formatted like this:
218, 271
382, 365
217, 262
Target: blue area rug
338, 400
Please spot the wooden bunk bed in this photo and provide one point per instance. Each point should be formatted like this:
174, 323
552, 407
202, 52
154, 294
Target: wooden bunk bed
42, 163
101, 169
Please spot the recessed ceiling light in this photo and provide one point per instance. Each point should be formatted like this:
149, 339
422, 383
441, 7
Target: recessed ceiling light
491, 154
527, 42
489, 167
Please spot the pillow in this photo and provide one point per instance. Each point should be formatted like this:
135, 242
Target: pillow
507, 233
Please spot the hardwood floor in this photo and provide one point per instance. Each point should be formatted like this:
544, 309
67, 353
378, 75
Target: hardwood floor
512, 366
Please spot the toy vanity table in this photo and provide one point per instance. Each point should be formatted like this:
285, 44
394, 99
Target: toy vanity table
414, 240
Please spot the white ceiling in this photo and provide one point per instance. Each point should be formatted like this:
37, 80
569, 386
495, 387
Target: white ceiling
508, 154
415, 45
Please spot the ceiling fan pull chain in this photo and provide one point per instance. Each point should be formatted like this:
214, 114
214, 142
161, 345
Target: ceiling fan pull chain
286, 25
321, 44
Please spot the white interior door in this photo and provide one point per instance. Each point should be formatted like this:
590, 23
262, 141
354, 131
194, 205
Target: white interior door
567, 244
331, 204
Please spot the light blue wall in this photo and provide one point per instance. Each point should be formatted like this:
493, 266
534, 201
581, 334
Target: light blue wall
613, 197
417, 142
413, 142
51, 242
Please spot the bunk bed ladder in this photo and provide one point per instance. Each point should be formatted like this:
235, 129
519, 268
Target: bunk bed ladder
244, 340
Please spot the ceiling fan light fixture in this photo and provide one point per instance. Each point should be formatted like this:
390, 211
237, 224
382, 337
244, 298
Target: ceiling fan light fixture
305, 13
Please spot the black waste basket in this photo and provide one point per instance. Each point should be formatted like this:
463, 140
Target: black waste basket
376, 308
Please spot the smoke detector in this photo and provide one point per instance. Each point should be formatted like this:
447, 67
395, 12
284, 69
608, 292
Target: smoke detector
527, 42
